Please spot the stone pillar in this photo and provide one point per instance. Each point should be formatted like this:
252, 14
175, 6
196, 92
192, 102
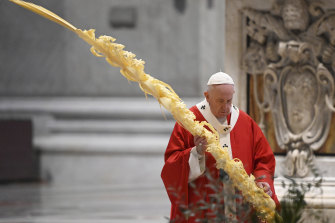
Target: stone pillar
234, 53
211, 39
234, 40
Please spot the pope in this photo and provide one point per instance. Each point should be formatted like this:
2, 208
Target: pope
189, 171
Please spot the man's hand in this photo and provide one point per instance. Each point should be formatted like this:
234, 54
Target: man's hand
266, 187
201, 144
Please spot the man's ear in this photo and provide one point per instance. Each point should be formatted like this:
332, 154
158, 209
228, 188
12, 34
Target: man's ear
206, 95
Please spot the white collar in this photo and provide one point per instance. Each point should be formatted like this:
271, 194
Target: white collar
208, 115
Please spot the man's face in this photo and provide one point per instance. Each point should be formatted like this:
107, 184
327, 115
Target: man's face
220, 99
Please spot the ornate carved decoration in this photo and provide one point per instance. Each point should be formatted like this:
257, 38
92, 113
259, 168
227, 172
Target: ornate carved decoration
293, 47
296, 89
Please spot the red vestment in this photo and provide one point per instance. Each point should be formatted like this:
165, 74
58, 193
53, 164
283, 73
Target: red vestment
248, 144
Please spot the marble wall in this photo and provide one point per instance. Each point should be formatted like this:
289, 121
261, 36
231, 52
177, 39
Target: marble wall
79, 104
41, 58
31, 52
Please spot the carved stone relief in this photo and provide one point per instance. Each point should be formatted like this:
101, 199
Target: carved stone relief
293, 47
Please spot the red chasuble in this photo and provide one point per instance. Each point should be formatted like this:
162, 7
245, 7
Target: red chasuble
248, 144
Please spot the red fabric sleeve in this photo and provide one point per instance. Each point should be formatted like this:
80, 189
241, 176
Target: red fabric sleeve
175, 172
265, 163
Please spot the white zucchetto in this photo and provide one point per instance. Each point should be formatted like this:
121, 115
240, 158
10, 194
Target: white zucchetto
220, 78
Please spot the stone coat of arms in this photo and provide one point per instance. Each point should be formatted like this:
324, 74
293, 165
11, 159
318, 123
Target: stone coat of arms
293, 47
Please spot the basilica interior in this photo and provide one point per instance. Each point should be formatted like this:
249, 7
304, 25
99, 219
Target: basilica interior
81, 143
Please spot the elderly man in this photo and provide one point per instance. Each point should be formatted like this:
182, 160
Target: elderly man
189, 171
